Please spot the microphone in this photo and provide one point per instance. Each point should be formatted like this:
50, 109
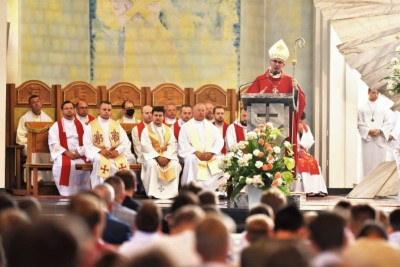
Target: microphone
240, 87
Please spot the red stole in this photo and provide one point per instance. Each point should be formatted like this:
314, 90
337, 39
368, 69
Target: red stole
224, 128
90, 118
177, 129
239, 133
140, 128
66, 162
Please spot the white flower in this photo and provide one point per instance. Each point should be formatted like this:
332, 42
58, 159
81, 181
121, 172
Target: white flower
269, 125
227, 175
257, 180
243, 162
249, 181
271, 160
252, 136
256, 152
248, 156
258, 164
242, 145
286, 144
277, 149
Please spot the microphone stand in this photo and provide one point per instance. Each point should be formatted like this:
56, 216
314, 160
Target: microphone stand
240, 98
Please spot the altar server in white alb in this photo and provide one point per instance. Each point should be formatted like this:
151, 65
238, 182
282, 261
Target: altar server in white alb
200, 144
106, 145
374, 125
161, 168
307, 165
66, 148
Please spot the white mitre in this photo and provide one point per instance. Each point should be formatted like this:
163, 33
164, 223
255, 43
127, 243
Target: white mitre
279, 50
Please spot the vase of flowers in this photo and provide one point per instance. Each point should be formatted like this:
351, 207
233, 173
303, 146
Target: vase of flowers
393, 84
263, 161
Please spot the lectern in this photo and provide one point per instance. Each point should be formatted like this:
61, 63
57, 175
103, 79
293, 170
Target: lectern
275, 108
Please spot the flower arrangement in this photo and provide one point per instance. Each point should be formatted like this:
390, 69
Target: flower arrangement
394, 79
263, 161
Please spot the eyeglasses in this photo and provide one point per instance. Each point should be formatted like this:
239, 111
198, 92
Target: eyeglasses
278, 62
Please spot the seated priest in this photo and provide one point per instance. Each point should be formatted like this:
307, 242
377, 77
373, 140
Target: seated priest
106, 145
66, 148
82, 112
237, 131
161, 168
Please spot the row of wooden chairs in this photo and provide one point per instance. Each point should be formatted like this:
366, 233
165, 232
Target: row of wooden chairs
53, 96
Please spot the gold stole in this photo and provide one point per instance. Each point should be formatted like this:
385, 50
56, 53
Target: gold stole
203, 166
166, 173
98, 141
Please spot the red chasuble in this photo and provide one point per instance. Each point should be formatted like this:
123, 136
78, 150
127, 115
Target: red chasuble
66, 162
265, 83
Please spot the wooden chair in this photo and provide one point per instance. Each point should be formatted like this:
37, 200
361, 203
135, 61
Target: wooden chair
16, 105
79, 90
38, 133
217, 96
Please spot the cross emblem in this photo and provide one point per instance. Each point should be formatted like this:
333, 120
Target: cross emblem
161, 188
275, 90
104, 169
115, 136
122, 167
98, 138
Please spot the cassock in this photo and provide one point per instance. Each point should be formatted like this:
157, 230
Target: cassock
282, 84
22, 139
160, 182
136, 135
200, 136
235, 133
108, 134
308, 167
68, 180
373, 115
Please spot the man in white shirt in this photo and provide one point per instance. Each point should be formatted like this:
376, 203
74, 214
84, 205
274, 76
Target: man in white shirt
161, 168
66, 148
128, 109
170, 114
82, 114
200, 145
237, 131
219, 113
374, 126
106, 145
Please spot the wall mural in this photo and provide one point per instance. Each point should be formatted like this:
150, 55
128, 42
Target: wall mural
149, 42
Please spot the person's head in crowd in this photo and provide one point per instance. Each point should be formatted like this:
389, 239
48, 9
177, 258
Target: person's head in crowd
274, 198
68, 111
106, 193
170, 111
184, 198
31, 206
128, 108
259, 226
394, 221
343, 208
262, 208
118, 186
6, 202
373, 229
111, 259
373, 94
209, 108
153, 257
149, 217
186, 112
289, 223
158, 115
291, 254
186, 218
199, 112
309, 216
219, 113
36, 104
82, 108
359, 214
147, 116
191, 187
90, 208
105, 110
327, 232
129, 179
243, 117
11, 219
207, 197
47, 243
212, 240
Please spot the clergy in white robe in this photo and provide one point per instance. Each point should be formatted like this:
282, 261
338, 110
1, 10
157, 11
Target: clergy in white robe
38, 115
237, 131
106, 145
374, 126
136, 133
200, 144
82, 112
308, 168
160, 167
66, 149
393, 146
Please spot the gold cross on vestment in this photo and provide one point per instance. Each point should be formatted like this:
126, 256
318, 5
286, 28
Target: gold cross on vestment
98, 138
115, 136
104, 169
122, 167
